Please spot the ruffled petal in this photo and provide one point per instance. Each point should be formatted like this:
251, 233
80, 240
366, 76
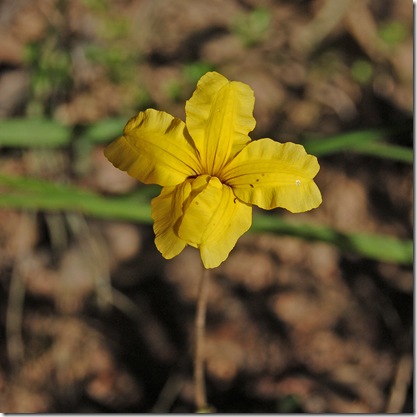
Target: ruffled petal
166, 210
213, 220
198, 209
155, 149
271, 174
219, 118
230, 221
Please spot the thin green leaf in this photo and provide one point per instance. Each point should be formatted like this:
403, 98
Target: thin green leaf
383, 150
46, 133
104, 131
364, 142
342, 142
380, 247
32, 194
33, 133
90, 205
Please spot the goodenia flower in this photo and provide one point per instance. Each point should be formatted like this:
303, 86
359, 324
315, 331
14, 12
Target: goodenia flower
211, 171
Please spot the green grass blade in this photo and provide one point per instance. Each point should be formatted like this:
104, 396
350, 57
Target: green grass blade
90, 205
342, 142
32, 194
364, 142
46, 133
104, 131
379, 247
383, 150
33, 133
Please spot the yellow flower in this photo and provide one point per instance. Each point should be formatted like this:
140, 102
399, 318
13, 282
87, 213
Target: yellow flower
211, 171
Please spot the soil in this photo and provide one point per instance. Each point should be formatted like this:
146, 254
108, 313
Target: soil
95, 320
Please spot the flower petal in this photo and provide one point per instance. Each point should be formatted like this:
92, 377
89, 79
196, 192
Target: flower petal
271, 174
213, 220
155, 149
198, 209
166, 210
219, 118
230, 221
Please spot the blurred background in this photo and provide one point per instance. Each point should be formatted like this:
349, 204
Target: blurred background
311, 312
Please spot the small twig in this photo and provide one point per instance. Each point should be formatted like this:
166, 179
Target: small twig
16, 299
399, 388
14, 319
200, 322
168, 394
327, 19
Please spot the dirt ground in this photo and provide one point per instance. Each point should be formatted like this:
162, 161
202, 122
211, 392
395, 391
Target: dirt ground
93, 319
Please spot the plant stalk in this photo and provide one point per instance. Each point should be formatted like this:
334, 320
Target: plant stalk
200, 324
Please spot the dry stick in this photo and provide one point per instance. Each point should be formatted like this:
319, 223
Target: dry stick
200, 322
402, 380
17, 290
